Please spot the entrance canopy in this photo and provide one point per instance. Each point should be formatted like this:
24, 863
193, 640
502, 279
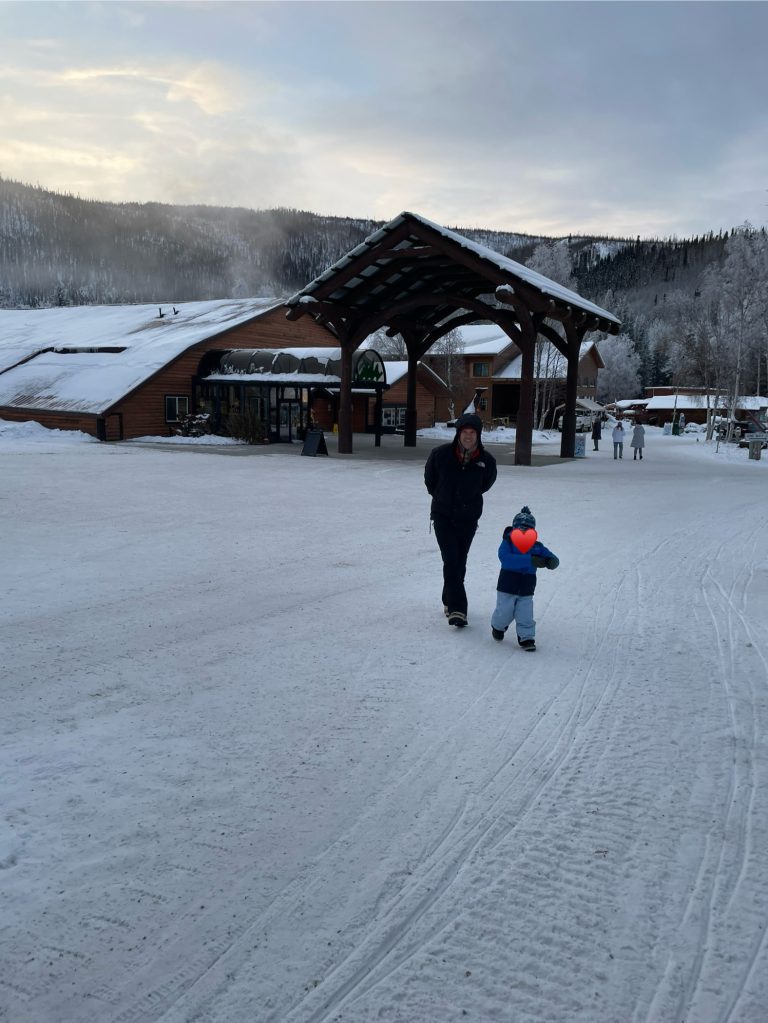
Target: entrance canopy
422, 280
308, 367
277, 386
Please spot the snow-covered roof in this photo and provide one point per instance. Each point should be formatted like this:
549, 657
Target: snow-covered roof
397, 369
630, 403
536, 280
683, 401
748, 402
484, 339
752, 402
589, 405
85, 358
553, 363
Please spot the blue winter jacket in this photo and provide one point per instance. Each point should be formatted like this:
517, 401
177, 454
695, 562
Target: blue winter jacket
518, 571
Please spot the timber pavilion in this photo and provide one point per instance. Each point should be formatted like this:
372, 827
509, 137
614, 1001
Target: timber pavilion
421, 280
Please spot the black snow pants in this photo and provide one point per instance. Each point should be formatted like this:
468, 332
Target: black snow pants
454, 540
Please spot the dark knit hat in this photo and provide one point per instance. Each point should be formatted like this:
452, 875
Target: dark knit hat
469, 419
524, 519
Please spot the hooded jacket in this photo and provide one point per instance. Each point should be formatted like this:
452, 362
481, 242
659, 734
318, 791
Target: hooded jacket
518, 570
457, 485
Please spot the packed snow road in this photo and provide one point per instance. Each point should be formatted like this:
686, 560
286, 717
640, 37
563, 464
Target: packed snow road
249, 773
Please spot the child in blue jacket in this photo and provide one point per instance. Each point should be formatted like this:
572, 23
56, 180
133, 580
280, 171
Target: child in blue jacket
517, 579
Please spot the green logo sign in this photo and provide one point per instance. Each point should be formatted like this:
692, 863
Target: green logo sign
368, 372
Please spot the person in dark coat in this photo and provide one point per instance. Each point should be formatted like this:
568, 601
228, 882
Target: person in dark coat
457, 475
597, 430
638, 440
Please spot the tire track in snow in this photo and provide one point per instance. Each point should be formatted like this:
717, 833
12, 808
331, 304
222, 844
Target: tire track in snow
435, 872
213, 965
730, 877
215, 973
485, 835
330, 1006
726, 859
477, 833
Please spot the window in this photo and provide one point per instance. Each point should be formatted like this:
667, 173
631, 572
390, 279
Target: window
176, 407
393, 417
483, 404
480, 369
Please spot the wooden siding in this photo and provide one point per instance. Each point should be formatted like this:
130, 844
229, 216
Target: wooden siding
53, 420
426, 402
143, 411
325, 412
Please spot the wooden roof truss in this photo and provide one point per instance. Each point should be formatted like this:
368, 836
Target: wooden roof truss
420, 280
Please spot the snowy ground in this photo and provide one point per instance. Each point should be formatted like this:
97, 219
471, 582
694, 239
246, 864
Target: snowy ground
249, 773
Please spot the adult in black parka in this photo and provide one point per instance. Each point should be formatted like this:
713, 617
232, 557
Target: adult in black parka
457, 475
597, 430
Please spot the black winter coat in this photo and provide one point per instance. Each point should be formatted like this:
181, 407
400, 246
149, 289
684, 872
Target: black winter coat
457, 489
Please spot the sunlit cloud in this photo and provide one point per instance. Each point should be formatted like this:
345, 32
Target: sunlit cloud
541, 118
95, 158
202, 86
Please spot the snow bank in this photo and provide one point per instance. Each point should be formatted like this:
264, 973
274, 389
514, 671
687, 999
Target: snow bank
31, 433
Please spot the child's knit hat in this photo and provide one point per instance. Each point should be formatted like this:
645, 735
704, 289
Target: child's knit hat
524, 519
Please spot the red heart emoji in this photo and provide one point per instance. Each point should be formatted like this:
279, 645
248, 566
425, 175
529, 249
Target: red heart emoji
524, 540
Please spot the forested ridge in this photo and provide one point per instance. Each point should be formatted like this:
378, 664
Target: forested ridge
59, 249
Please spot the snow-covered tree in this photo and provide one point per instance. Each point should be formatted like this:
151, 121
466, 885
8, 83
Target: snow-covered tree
446, 357
737, 294
621, 377
553, 260
388, 347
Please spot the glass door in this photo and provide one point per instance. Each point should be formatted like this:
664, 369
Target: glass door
288, 420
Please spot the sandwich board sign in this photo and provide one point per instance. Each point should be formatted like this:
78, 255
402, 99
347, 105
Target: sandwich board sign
314, 443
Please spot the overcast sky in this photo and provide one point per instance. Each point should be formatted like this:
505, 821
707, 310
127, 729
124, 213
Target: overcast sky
549, 118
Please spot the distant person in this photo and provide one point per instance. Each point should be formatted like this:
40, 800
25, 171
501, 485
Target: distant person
638, 441
618, 440
681, 422
520, 555
457, 475
597, 430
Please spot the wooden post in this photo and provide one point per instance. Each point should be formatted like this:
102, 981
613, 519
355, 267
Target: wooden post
377, 417
574, 336
524, 430
345, 403
409, 440
568, 437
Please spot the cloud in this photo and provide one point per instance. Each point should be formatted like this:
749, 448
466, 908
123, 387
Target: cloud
546, 118
210, 89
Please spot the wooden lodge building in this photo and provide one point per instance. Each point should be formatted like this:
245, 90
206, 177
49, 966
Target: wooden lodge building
130, 371
492, 373
120, 372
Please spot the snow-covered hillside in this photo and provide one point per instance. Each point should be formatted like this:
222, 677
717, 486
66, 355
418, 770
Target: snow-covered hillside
249, 773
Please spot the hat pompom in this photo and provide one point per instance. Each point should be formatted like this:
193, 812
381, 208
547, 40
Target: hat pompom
524, 519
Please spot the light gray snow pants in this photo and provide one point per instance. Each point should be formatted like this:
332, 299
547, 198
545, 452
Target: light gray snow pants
512, 608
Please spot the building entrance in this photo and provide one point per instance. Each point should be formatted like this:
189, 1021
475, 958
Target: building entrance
288, 420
